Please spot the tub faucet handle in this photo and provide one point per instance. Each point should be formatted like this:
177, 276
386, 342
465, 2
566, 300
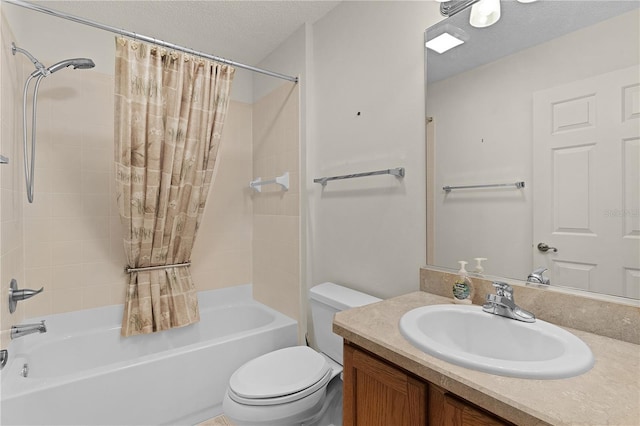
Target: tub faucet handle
16, 295
25, 293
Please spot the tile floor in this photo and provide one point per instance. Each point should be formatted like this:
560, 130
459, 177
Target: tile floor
217, 421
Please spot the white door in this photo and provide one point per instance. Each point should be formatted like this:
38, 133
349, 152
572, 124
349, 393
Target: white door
586, 184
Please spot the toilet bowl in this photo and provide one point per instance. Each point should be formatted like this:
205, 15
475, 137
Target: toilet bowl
284, 387
296, 385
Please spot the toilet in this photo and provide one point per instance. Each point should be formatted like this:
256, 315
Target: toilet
297, 385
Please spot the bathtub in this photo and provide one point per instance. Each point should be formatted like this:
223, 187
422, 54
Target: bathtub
81, 372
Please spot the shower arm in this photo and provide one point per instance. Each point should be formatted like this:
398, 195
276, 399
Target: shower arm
40, 69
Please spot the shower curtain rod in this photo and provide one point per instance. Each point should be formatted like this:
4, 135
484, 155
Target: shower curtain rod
148, 39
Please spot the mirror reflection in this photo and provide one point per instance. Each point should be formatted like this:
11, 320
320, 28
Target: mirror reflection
548, 96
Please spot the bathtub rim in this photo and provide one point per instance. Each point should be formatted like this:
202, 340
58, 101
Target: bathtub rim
15, 386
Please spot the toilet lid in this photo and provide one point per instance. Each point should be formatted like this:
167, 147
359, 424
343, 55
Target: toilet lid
283, 372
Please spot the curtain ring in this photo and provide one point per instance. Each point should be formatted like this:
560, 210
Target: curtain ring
135, 43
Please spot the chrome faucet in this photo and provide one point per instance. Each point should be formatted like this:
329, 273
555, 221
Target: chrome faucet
24, 329
502, 304
537, 277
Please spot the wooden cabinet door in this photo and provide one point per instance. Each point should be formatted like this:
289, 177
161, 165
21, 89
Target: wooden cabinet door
446, 409
378, 394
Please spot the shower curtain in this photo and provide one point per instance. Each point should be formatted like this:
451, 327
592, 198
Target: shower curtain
169, 113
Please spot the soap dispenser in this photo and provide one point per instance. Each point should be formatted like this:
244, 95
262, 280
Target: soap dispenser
479, 268
462, 287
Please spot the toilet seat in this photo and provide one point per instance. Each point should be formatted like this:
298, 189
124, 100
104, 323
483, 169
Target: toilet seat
285, 398
282, 376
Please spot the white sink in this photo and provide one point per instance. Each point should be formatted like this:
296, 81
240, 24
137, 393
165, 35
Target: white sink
469, 337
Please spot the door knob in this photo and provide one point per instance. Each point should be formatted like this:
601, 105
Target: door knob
545, 248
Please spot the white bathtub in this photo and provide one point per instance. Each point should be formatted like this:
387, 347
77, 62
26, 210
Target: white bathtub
81, 372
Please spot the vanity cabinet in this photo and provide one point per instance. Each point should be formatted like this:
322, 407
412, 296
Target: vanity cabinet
377, 393
446, 409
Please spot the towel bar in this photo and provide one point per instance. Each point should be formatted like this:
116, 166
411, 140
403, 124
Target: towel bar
398, 171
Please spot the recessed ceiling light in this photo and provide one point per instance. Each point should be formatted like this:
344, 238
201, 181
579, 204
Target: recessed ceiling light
443, 42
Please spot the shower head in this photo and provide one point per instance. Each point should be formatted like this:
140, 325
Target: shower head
77, 63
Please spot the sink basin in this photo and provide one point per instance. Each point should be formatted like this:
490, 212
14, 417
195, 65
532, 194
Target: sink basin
469, 337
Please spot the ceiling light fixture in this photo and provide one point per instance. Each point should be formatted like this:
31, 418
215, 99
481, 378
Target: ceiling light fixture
485, 13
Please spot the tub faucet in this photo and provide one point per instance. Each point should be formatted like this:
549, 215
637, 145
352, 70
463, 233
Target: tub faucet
502, 304
537, 277
24, 329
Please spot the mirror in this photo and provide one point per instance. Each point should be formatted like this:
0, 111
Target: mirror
548, 96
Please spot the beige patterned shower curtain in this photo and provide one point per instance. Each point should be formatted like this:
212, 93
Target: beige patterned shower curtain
169, 113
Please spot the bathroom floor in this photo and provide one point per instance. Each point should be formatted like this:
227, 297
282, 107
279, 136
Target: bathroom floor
217, 421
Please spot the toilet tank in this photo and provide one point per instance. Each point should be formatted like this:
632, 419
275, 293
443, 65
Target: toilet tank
326, 299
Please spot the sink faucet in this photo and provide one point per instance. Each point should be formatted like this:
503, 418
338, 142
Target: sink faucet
24, 329
502, 304
537, 277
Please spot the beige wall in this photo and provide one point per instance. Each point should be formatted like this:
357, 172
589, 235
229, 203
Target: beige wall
368, 58
276, 219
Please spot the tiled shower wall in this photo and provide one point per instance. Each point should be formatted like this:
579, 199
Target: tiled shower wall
11, 237
69, 240
222, 255
276, 219
72, 232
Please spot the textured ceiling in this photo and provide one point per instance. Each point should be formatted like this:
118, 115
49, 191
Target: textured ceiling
520, 26
243, 31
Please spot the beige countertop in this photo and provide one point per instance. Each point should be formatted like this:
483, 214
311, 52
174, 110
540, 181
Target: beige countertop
608, 394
